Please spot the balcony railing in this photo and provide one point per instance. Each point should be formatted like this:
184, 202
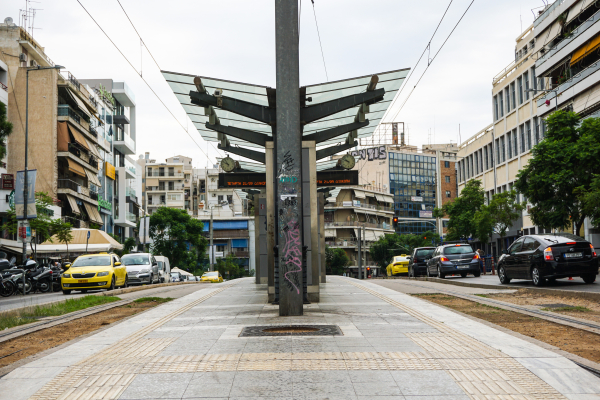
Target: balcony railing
348, 242
65, 111
75, 222
358, 224
129, 191
228, 234
3, 86
68, 184
130, 166
362, 205
570, 83
240, 254
93, 195
122, 137
74, 81
166, 174
131, 217
76, 151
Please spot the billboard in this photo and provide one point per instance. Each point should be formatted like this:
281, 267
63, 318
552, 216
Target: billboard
20, 195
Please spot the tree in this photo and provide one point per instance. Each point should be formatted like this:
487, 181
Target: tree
62, 231
177, 236
498, 216
128, 245
5, 130
462, 210
336, 261
590, 199
230, 267
562, 167
388, 246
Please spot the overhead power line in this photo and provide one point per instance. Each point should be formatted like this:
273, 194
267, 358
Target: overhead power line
137, 72
320, 44
431, 61
428, 47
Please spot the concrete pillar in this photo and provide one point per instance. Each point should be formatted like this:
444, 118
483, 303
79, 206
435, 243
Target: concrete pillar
322, 270
262, 259
271, 220
310, 215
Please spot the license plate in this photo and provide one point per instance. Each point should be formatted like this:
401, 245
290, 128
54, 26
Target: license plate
462, 266
82, 281
573, 255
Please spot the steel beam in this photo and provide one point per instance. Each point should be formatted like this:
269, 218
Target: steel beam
248, 136
240, 151
240, 107
322, 110
335, 149
327, 134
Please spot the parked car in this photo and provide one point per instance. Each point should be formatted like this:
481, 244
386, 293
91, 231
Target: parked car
548, 257
212, 276
417, 265
399, 265
164, 269
94, 271
142, 268
175, 277
453, 259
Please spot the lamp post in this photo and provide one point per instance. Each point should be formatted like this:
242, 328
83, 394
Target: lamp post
210, 228
26, 183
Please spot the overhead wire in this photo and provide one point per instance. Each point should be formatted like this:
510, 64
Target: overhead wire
428, 47
320, 44
431, 61
147, 84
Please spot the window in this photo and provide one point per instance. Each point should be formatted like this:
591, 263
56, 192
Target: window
522, 137
520, 85
448, 194
501, 98
485, 155
496, 107
220, 198
230, 198
526, 78
508, 140
498, 151
171, 185
528, 133
502, 149
507, 96
513, 95
447, 179
536, 130
446, 164
476, 163
516, 246
533, 78
515, 142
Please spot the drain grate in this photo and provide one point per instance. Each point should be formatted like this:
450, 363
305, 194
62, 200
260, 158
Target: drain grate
291, 330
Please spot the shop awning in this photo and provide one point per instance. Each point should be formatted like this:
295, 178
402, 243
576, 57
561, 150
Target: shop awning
73, 204
359, 194
369, 194
93, 178
76, 168
151, 182
79, 138
93, 149
92, 212
239, 243
585, 50
80, 104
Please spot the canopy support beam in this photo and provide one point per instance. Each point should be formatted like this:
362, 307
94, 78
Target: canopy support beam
240, 151
335, 149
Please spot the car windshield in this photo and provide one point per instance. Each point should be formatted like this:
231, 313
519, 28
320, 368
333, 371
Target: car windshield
424, 253
94, 261
210, 274
160, 265
458, 249
135, 259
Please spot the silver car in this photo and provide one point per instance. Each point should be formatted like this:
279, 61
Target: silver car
142, 268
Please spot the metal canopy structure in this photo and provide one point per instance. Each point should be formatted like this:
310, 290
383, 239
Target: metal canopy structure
328, 124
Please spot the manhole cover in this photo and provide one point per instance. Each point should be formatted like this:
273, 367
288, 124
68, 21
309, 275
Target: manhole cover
555, 305
291, 330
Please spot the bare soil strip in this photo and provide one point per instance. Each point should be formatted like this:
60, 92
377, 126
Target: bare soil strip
575, 341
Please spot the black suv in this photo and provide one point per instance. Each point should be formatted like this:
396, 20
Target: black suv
548, 257
417, 265
453, 259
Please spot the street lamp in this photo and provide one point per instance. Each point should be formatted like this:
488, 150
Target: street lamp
26, 183
555, 91
211, 257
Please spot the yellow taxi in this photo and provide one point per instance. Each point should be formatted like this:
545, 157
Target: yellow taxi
213, 276
94, 271
399, 265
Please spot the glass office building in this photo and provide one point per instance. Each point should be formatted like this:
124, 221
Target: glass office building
413, 184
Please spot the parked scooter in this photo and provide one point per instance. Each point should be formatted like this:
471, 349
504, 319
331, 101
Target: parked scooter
40, 277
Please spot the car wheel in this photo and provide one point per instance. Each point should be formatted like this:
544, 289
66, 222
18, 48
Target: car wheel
477, 274
536, 277
112, 284
591, 278
504, 279
84, 291
126, 284
66, 292
440, 274
463, 274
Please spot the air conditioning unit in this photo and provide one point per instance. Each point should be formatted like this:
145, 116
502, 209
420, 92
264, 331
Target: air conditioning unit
23, 57
33, 63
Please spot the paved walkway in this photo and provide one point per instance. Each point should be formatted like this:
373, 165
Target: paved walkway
394, 346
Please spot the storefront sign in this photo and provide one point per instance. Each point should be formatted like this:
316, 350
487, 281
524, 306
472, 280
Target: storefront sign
416, 198
347, 203
425, 214
107, 205
109, 170
8, 181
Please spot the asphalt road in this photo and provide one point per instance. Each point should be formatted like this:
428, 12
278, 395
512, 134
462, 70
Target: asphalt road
562, 284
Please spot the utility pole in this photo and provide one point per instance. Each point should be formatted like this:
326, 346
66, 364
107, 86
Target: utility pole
289, 159
359, 231
364, 247
212, 251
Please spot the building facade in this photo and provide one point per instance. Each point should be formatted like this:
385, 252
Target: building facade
167, 184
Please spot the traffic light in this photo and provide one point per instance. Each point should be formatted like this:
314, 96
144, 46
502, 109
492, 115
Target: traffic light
395, 222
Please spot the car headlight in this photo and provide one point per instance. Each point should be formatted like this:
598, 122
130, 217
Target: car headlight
66, 275
102, 273
143, 270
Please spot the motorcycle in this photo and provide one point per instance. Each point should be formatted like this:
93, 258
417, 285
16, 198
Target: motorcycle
40, 277
7, 287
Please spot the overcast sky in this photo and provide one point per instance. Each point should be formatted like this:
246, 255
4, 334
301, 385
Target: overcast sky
234, 40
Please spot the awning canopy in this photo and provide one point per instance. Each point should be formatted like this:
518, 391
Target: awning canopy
151, 182
93, 213
93, 178
182, 272
97, 237
576, 9
79, 138
80, 103
369, 194
63, 139
551, 33
93, 149
76, 168
380, 198
585, 50
359, 194
73, 204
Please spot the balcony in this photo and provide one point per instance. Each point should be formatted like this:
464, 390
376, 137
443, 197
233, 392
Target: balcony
227, 234
567, 90
374, 207
93, 195
357, 224
34, 49
241, 254
66, 113
126, 220
348, 242
124, 143
129, 191
69, 184
175, 175
76, 222
88, 159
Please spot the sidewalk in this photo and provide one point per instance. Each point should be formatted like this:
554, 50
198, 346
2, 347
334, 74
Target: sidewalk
393, 346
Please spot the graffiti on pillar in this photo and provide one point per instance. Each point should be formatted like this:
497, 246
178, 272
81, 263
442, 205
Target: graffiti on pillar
290, 243
370, 154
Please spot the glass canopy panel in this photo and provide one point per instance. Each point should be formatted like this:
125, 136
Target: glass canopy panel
182, 84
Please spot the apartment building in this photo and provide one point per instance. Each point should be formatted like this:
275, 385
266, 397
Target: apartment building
348, 210
167, 184
568, 37
232, 215
418, 180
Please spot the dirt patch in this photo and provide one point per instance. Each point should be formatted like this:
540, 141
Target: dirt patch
575, 307
36, 342
582, 343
